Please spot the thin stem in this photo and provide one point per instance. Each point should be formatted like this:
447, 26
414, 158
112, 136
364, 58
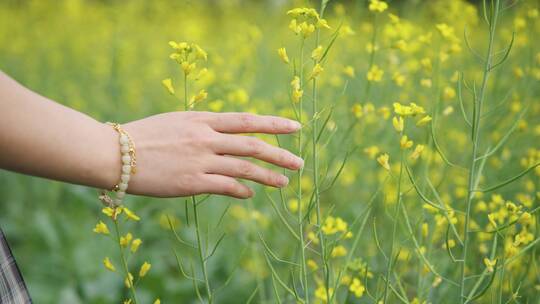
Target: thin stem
475, 139
202, 259
124, 261
316, 193
200, 250
394, 229
304, 276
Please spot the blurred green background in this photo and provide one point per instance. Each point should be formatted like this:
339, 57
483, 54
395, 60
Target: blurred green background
107, 59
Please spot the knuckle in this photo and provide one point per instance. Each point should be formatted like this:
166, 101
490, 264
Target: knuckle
283, 158
247, 121
275, 124
272, 178
246, 169
255, 146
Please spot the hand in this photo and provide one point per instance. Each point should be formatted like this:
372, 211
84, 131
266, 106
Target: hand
188, 153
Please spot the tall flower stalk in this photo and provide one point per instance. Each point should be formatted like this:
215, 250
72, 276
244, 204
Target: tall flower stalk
476, 119
317, 57
187, 55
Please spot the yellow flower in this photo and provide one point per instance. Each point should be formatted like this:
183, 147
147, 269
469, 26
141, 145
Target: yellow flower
317, 70
445, 30
129, 280
128, 301
349, 71
157, 301
312, 264
346, 30
405, 143
306, 29
282, 52
201, 96
426, 82
357, 288
490, 264
303, 11
425, 229
398, 123
295, 83
112, 212
449, 93
317, 53
424, 121
322, 23
108, 264
383, 161
417, 152
375, 74
130, 215
293, 205
144, 269
188, 67
125, 240
372, 151
398, 79
297, 95
377, 6
320, 293
203, 72
313, 237
135, 245
293, 25
200, 53
101, 228
402, 110
296, 91
357, 110
167, 83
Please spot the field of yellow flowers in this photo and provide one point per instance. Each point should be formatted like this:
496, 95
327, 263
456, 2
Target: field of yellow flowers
421, 138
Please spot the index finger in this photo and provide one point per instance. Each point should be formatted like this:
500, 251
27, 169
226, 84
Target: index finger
251, 123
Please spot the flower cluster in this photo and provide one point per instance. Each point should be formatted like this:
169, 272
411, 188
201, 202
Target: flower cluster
128, 246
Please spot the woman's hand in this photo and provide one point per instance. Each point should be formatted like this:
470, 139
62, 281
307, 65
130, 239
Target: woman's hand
187, 153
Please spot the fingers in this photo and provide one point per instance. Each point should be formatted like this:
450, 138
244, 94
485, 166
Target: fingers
251, 123
254, 147
224, 185
240, 168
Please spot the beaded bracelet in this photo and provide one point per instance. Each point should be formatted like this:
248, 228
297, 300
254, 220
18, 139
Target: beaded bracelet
129, 165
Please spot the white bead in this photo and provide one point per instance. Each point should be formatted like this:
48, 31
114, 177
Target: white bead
120, 194
126, 159
125, 178
126, 169
122, 187
124, 149
124, 139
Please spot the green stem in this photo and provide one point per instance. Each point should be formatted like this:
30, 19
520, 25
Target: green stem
124, 261
475, 139
202, 259
304, 276
394, 229
316, 193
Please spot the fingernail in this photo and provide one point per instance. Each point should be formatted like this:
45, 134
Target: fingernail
283, 181
295, 125
299, 162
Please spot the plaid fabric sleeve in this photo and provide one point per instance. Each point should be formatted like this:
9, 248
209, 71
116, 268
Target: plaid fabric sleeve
12, 287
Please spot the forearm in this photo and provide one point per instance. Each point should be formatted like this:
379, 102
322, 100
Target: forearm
43, 138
